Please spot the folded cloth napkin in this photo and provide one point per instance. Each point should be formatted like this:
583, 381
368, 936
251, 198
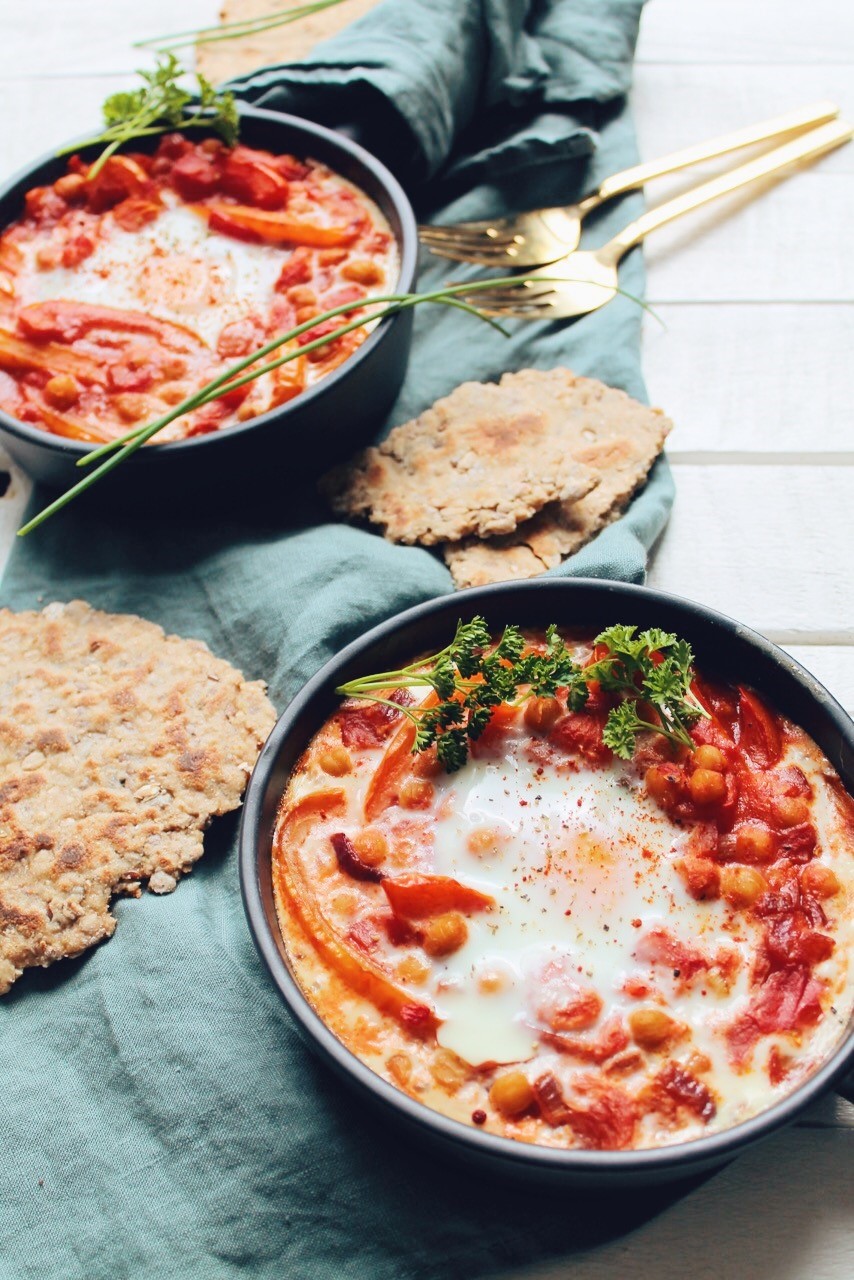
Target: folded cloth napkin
160, 1116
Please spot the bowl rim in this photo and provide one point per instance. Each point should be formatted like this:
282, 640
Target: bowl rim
703, 1151
407, 246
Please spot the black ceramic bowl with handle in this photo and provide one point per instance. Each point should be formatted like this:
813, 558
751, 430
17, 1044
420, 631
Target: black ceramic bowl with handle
306, 434
722, 647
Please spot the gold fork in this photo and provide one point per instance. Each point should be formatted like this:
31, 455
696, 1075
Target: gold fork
532, 239
586, 280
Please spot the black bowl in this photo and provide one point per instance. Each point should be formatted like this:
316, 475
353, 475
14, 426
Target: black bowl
308, 433
723, 647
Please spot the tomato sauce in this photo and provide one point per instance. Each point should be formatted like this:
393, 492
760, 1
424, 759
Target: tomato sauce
578, 950
124, 293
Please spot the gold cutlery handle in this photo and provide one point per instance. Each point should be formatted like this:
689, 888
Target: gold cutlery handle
805, 147
792, 122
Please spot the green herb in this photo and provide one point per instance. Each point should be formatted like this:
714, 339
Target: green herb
472, 676
161, 104
652, 667
235, 30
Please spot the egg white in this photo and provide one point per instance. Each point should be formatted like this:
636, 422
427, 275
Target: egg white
173, 268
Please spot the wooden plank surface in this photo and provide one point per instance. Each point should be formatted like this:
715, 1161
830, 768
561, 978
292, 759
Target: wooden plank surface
774, 379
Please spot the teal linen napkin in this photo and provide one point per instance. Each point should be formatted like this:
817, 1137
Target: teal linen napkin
160, 1116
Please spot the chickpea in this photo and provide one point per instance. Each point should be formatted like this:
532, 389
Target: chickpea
707, 757
173, 367
511, 1094
301, 296
445, 934
62, 391
661, 785
174, 392
427, 764
490, 982
249, 409
414, 970
653, 1028
48, 257
416, 793
819, 880
707, 786
448, 1070
741, 886
305, 313
345, 903
791, 810
400, 1067
335, 760
541, 714
483, 840
363, 272
371, 846
132, 406
70, 185
755, 844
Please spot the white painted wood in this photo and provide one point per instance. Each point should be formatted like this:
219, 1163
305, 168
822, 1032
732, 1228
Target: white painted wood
758, 378
739, 32
65, 37
704, 100
33, 103
833, 665
753, 542
781, 241
781, 1212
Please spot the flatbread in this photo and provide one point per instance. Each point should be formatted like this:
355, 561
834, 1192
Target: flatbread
480, 461
118, 744
224, 59
608, 431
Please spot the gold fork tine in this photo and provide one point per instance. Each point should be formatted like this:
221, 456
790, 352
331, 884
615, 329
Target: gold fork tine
536, 311
586, 280
478, 240
546, 235
497, 259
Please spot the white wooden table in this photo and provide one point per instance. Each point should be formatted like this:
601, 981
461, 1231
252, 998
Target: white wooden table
754, 367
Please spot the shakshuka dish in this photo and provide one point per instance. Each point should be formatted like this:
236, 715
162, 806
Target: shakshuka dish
124, 292
562, 946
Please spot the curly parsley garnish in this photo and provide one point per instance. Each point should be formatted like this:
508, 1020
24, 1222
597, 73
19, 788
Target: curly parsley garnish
648, 675
161, 104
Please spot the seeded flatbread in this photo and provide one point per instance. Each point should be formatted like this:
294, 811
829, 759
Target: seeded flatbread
616, 436
118, 744
480, 461
225, 59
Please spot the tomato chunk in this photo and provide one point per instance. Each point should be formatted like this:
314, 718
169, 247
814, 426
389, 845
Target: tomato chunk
248, 178
613, 1038
195, 176
416, 897
758, 734
119, 178
245, 222
355, 967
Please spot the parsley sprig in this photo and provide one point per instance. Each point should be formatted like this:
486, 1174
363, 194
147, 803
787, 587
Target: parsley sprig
648, 673
653, 667
161, 104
